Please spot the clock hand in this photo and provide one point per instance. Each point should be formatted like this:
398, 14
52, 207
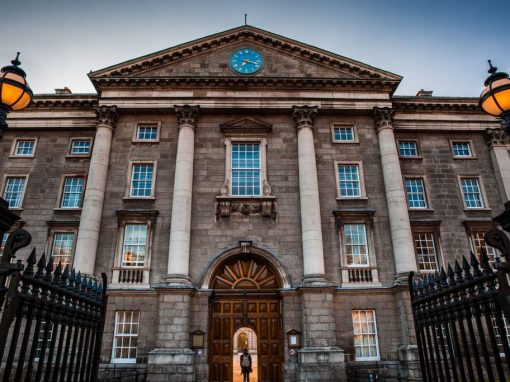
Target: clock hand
252, 62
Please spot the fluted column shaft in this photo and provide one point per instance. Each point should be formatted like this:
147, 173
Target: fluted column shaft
311, 231
499, 144
92, 208
400, 226
180, 229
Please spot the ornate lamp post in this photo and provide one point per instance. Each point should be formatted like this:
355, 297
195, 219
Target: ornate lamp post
495, 98
15, 94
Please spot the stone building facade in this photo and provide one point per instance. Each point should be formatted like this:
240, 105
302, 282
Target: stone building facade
285, 190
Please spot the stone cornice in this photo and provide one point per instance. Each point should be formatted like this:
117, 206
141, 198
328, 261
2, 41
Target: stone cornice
55, 102
433, 104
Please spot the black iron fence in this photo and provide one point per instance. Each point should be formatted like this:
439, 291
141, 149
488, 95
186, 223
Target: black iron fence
52, 318
461, 318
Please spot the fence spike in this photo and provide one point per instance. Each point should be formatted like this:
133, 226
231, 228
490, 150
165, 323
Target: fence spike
40, 265
451, 275
437, 281
484, 261
29, 270
458, 272
444, 278
431, 283
77, 281
475, 265
49, 267
58, 270
90, 289
72, 277
421, 286
466, 268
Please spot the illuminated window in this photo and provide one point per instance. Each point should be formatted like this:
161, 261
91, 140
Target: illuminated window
366, 344
355, 242
479, 243
134, 247
125, 337
62, 248
426, 251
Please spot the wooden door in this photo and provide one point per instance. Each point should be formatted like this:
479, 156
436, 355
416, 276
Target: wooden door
262, 314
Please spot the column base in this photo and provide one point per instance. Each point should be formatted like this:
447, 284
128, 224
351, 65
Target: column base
178, 281
324, 364
171, 364
315, 280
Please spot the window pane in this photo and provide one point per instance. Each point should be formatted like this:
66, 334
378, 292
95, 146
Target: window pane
497, 331
471, 193
125, 336
24, 148
365, 334
356, 248
62, 248
349, 182
147, 133
408, 149
246, 169
134, 247
343, 133
416, 193
4, 240
71, 194
141, 180
426, 251
461, 149
14, 188
80, 147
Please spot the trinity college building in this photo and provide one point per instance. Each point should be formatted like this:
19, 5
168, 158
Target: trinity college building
245, 190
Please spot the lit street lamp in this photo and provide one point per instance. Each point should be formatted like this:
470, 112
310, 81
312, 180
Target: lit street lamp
495, 98
15, 94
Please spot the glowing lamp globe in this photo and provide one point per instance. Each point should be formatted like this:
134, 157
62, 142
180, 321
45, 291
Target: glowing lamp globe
15, 94
495, 98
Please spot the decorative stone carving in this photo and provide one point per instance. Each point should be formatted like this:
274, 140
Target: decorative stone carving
266, 188
496, 136
225, 188
383, 117
245, 246
245, 125
106, 115
304, 115
187, 115
264, 206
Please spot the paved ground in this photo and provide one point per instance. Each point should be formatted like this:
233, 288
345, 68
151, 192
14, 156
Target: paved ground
237, 369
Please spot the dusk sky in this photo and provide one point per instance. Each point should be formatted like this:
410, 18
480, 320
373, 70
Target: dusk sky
436, 45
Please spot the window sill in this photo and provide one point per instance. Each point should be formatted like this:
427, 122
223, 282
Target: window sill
71, 209
246, 205
21, 156
124, 361
464, 158
142, 141
418, 157
420, 209
87, 156
352, 198
477, 209
17, 209
139, 198
346, 142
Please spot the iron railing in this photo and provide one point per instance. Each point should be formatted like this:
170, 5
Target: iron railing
461, 318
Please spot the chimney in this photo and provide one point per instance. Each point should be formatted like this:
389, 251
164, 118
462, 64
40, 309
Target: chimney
424, 93
64, 91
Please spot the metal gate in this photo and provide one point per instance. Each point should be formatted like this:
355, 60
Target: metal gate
52, 318
461, 317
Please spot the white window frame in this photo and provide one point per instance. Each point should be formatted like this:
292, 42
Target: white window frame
418, 149
15, 146
497, 335
62, 188
353, 126
361, 179
485, 205
425, 192
437, 249
156, 124
375, 334
116, 335
462, 141
51, 242
491, 251
367, 244
22, 198
121, 254
265, 189
70, 147
130, 179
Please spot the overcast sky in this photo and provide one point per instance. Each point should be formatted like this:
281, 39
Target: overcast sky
436, 45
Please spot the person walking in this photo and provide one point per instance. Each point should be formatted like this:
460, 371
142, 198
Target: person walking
246, 365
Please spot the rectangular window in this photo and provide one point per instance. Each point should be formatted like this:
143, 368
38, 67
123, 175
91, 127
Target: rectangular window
471, 193
365, 335
343, 134
71, 192
356, 248
408, 148
246, 169
426, 251
141, 180
134, 247
497, 334
24, 147
4, 240
147, 133
62, 248
40, 339
14, 190
479, 243
80, 147
125, 336
349, 181
415, 190
461, 149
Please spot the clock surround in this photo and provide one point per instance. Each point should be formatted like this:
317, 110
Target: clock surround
246, 61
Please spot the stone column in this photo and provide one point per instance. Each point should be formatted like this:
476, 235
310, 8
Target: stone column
311, 231
499, 145
180, 228
401, 235
92, 209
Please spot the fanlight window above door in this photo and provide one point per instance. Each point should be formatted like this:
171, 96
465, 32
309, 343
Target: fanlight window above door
245, 273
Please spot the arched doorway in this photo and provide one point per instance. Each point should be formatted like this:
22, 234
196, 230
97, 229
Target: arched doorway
245, 338
246, 295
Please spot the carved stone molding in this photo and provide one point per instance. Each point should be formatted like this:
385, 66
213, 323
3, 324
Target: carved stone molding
264, 206
304, 115
496, 136
187, 115
245, 126
383, 117
106, 115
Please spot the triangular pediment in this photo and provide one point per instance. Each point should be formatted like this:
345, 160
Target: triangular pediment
207, 58
245, 125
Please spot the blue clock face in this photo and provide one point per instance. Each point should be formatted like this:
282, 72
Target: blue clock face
246, 61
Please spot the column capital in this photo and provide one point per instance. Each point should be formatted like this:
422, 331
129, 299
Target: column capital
187, 114
304, 115
496, 136
106, 115
383, 117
